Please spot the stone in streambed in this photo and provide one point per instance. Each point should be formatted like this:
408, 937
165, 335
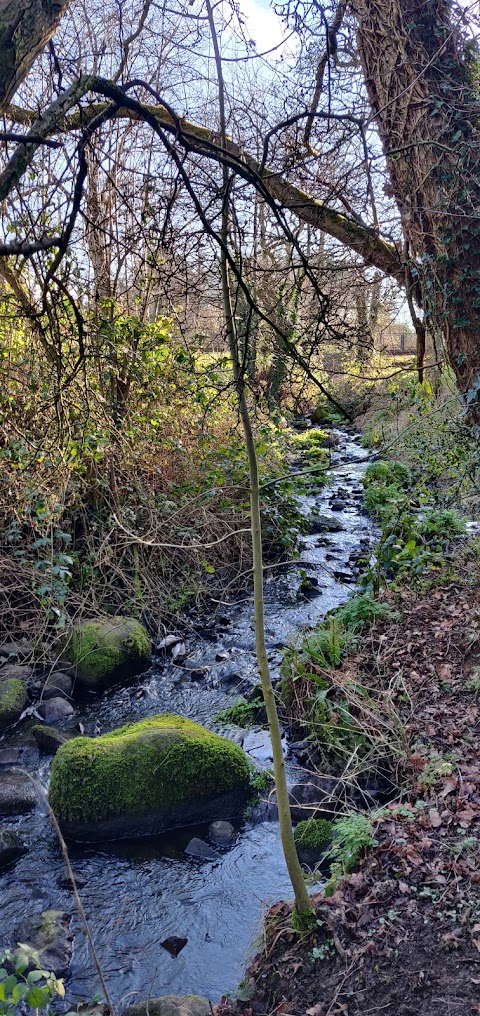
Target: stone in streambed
55, 709
171, 1005
201, 850
48, 739
20, 671
57, 685
13, 699
162, 773
174, 945
9, 756
109, 650
324, 524
12, 847
50, 935
17, 794
222, 833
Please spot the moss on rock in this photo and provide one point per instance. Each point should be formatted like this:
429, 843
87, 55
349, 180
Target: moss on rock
148, 772
48, 738
171, 1005
109, 650
313, 833
13, 698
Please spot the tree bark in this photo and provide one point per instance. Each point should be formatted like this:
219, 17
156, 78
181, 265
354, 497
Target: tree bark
25, 28
418, 76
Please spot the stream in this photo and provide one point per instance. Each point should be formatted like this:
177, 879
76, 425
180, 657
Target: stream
138, 893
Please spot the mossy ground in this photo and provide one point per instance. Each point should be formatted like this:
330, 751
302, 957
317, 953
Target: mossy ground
144, 767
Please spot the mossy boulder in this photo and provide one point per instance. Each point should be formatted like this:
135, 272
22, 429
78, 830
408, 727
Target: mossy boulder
144, 778
311, 838
108, 650
171, 1005
13, 699
48, 738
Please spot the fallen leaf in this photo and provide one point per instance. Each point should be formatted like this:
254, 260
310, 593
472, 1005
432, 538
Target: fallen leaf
434, 817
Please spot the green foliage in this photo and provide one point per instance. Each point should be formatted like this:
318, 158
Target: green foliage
313, 833
414, 534
313, 438
261, 780
436, 767
387, 473
352, 834
325, 708
330, 639
244, 713
20, 985
324, 951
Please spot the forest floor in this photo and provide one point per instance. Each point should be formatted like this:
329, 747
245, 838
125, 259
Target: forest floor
401, 934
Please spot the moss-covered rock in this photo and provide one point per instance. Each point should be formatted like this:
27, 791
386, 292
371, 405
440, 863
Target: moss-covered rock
48, 738
312, 837
108, 650
13, 699
163, 772
171, 1005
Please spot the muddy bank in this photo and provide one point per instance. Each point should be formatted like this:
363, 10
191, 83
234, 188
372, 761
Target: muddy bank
401, 934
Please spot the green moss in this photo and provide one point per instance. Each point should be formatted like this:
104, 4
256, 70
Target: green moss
310, 439
110, 649
170, 1005
48, 738
143, 768
13, 697
313, 833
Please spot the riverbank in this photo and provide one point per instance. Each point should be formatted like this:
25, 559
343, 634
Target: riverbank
401, 933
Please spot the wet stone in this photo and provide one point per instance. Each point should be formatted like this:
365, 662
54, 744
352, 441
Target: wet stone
55, 709
49, 933
171, 1005
19, 671
57, 685
325, 524
65, 882
17, 794
12, 847
201, 850
9, 756
221, 833
174, 944
48, 738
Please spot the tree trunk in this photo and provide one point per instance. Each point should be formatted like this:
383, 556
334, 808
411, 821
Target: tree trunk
419, 80
25, 28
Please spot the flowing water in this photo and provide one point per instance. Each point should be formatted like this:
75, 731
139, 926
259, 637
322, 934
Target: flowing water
138, 893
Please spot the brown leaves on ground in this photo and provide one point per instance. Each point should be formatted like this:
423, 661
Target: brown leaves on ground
402, 934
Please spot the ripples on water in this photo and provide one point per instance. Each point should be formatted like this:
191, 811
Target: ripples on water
137, 893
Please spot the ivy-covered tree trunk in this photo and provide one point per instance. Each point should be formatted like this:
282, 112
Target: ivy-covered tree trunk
418, 72
25, 28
